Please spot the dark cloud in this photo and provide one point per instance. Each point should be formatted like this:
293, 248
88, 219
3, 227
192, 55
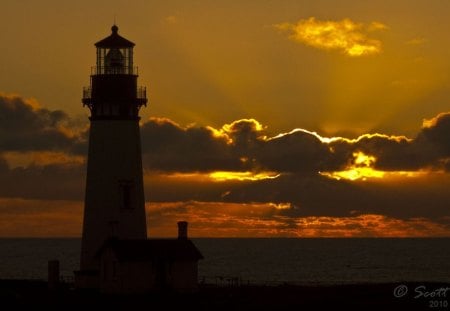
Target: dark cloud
239, 146
26, 127
168, 147
437, 132
429, 150
392, 153
3, 165
51, 182
242, 145
317, 195
296, 152
434, 139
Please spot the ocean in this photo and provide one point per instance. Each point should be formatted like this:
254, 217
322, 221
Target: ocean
266, 261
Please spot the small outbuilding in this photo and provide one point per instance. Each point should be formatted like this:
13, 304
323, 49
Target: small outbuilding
146, 265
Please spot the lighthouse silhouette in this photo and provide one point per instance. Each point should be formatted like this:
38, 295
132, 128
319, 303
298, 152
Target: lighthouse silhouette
116, 256
114, 199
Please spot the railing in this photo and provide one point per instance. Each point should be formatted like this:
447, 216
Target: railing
87, 92
141, 93
114, 70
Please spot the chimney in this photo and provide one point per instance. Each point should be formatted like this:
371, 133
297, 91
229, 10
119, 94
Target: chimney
182, 230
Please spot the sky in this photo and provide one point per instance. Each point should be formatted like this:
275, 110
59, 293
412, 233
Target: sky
265, 118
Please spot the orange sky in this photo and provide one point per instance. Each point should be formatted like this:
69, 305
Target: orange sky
215, 62
314, 119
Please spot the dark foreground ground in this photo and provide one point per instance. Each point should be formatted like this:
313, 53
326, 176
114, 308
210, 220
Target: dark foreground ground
434, 296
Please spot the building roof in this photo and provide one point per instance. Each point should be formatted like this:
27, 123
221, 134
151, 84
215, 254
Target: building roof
153, 249
114, 40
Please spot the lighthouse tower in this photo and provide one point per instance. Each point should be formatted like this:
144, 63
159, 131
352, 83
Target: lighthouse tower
114, 201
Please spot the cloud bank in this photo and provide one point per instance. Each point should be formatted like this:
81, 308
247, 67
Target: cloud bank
243, 145
240, 164
25, 126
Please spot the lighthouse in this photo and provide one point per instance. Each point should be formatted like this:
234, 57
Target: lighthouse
114, 199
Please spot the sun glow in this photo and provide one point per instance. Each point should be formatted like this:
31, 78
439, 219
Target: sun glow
355, 173
221, 176
242, 176
361, 159
362, 168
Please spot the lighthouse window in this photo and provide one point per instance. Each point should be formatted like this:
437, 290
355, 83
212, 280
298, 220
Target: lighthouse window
114, 61
126, 188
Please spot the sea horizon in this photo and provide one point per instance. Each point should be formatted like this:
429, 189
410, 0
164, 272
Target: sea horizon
265, 261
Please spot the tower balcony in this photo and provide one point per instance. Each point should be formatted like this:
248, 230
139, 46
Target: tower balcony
87, 96
114, 70
140, 98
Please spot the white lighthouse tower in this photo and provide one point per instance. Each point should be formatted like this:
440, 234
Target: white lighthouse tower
114, 201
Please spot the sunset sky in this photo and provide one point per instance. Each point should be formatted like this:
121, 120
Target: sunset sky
268, 118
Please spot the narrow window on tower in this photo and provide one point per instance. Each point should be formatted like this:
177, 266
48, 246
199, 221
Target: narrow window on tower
126, 194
